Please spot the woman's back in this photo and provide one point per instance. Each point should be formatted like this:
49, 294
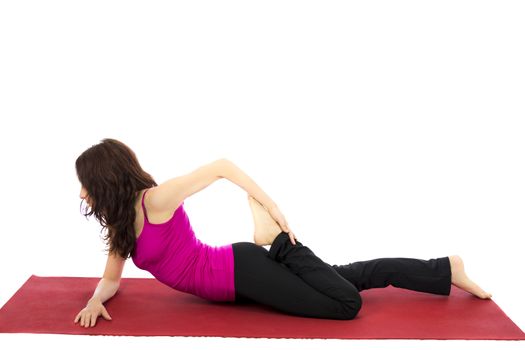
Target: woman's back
172, 253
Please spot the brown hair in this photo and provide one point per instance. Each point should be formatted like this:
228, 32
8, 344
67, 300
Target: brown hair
112, 177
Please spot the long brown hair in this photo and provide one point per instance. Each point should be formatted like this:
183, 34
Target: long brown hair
112, 177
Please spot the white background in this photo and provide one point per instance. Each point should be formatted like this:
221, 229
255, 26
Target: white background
381, 129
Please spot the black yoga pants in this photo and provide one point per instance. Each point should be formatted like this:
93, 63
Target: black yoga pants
292, 279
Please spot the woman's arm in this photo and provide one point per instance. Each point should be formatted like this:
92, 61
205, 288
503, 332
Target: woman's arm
105, 290
233, 173
110, 281
167, 196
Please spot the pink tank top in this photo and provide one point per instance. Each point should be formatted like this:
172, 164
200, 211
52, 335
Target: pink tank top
174, 256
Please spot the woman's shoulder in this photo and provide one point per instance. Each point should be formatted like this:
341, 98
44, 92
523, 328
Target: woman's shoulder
156, 204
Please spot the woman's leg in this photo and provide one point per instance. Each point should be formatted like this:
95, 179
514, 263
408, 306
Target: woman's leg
429, 276
292, 279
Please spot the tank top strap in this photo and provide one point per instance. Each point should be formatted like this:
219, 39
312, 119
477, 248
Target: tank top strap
143, 206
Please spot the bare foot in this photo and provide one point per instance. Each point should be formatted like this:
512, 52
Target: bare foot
460, 279
266, 228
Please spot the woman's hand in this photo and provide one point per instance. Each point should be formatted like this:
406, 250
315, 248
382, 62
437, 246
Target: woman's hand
88, 315
280, 219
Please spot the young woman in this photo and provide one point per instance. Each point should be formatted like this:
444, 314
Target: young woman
148, 223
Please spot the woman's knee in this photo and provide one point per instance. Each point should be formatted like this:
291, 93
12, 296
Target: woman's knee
352, 306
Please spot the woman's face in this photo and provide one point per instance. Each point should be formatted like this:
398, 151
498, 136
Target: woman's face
84, 195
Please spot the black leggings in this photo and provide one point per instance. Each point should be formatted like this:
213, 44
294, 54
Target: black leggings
292, 279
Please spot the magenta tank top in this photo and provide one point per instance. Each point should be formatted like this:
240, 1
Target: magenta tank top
174, 256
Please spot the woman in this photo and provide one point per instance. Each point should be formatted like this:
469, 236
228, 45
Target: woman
148, 223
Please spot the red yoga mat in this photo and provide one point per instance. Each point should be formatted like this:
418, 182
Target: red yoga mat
146, 307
